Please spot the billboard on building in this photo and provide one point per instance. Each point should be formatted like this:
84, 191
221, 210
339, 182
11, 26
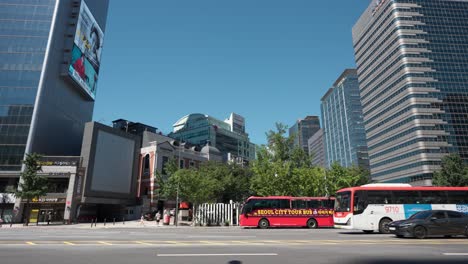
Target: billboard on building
86, 52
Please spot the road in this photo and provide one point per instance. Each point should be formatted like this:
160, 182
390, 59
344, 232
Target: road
53, 245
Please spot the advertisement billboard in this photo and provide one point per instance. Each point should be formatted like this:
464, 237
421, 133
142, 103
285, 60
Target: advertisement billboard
86, 52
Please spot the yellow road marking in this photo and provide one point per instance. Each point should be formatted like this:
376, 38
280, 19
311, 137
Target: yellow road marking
31, 243
68, 243
219, 243
104, 243
177, 242
143, 243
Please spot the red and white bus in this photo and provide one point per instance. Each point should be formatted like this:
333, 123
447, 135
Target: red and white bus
372, 207
281, 211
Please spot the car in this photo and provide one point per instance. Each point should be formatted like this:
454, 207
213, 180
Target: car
431, 223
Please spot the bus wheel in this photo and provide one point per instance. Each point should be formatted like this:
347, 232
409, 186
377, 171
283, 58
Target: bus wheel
263, 223
383, 226
368, 231
311, 223
419, 232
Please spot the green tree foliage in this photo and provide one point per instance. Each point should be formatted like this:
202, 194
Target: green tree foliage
339, 177
282, 169
31, 184
453, 172
211, 182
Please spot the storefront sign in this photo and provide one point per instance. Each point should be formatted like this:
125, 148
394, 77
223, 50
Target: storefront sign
47, 200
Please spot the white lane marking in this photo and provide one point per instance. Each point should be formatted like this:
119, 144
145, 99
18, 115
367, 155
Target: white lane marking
220, 254
455, 254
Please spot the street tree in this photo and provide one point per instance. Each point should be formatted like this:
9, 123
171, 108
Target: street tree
31, 184
277, 168
192, 185
453, 172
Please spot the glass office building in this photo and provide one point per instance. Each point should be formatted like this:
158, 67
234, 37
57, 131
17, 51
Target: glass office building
343, 126
24, 32
227, 136
412, 58
303, 129
41, 109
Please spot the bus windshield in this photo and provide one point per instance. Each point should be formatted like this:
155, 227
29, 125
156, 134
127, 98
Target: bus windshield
343, 202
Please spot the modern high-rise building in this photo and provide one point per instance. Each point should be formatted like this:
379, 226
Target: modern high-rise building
412, 59
42, 107
227, 136
317, 149
303, 129
343, 128
50, 55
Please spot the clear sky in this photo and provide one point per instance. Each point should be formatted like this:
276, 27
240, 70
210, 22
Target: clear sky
267, 60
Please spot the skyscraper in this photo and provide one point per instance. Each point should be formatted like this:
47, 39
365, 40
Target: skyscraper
50, 54
317, 149
412, 63
303, 129
343, 128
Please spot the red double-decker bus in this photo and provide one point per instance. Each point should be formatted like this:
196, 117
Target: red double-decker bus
311, 212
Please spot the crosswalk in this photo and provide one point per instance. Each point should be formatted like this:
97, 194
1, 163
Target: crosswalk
276, 243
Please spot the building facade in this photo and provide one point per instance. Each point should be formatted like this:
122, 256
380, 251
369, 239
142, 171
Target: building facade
303, 129
228, 136
156, 152
412, 66
317, 149
343, 128
50, 55
42, 109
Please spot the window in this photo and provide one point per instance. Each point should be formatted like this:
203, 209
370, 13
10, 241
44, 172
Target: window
379, 197
165, 160
455, 215
406, 197
439, 215
182, 164
433, 197
458, 197
271, 203
300, 204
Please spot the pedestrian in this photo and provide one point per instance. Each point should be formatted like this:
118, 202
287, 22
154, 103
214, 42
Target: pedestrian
49, 218
142, 220
1, 222
158, 217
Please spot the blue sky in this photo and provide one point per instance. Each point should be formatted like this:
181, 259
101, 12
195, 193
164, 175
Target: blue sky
267, 60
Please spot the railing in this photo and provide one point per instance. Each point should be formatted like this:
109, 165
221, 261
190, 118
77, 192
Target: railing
215, 214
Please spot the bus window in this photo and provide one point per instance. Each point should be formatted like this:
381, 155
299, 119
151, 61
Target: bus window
433, 197
406, 197
329, 203
299, 204
360, 202
379, 197
343, 202
458, 197
314, 204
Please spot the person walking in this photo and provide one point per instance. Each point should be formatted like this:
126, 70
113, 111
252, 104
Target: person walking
49, 218
142, 220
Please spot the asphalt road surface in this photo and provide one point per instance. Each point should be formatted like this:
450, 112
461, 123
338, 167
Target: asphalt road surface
54, 245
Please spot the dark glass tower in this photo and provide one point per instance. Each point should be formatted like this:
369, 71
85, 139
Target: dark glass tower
412, 58
304, 129
41, 109
24, 33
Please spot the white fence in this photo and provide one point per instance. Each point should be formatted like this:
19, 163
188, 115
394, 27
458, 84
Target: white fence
217, 214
